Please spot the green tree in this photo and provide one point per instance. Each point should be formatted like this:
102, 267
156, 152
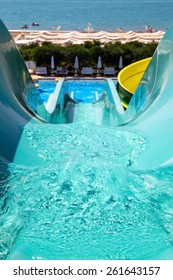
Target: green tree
88, 53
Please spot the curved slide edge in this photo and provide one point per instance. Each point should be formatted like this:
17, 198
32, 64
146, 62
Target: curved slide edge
115, 96
150, 110
55, 97
16, 91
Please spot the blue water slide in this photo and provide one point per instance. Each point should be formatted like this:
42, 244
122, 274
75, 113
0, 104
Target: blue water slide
55, 98
52, 111
149, 114
16, 101
150, 110
101, 111
62, 108
115, 97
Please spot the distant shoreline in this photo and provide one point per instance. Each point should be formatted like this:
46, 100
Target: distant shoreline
80, 31
22, 37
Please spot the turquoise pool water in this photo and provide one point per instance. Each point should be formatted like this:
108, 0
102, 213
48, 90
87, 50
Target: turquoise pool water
46, 87
86, 91
83, 90
86, 202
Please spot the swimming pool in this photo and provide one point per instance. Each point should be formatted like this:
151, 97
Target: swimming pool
78, 100
82, 90
45, 88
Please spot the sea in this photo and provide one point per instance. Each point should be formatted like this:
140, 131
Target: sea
98, 15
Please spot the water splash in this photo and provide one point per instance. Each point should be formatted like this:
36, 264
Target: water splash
85, 203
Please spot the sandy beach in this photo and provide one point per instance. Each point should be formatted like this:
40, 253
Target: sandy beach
24, 37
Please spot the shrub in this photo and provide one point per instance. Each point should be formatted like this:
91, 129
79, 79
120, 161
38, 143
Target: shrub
88, 53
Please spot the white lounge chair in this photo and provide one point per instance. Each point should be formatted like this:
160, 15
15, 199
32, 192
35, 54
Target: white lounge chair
61, 70
87, 71
41, 70
109, 71
30, 64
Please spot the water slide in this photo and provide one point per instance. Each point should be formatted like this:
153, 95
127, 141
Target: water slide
150, 109
129, 78
149, 113
16, 97
101, 111
62, 108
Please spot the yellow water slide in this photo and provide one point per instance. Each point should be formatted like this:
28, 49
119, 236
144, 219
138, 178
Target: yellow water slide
129, 78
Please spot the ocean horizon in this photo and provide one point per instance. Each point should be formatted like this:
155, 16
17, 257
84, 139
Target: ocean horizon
106, 15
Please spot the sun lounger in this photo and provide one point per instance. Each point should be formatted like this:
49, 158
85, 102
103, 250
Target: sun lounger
30, 64
41, 70
109, 71
87, 71
61, 71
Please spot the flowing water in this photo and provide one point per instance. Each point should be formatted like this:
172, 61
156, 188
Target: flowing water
86, 202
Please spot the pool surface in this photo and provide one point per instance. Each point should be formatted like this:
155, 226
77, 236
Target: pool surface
45, 88
82, 90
